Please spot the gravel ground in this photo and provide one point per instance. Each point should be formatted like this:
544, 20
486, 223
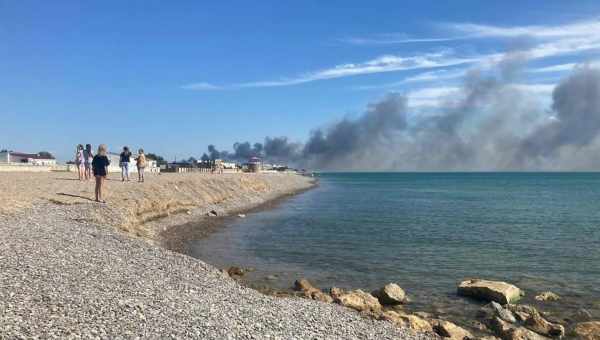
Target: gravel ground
62, 276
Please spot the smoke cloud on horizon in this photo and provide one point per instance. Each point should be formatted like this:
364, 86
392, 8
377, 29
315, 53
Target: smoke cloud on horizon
490, 124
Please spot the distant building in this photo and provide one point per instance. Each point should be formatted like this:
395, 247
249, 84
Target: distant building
254, 164
11, 157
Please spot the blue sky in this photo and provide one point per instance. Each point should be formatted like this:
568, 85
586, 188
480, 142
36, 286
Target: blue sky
173, 77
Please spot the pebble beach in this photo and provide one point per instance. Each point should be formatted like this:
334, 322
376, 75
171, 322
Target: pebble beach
73, 268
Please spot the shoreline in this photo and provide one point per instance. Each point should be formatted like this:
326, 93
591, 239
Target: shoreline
89, 259
174, 234
68, 270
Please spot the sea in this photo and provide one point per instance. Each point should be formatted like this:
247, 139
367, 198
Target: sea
427, 232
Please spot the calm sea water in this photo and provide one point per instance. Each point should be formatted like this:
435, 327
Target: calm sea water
428, 231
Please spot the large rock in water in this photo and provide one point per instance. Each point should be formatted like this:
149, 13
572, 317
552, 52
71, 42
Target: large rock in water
450, 330
538, 324
390, 294
359, 300
407, 321
311, 291
588, 330
498, 291
508, 331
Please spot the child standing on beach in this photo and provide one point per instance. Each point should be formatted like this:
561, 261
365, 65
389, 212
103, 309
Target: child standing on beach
88, 155
79, 162
100, 165
141, 164
124, 163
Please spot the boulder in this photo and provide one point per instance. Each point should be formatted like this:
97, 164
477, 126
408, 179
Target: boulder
547, 296
336, 292
235, 271
311, 291
498, 291
499, 326
450, 330
538, 324
507, 331
502, 312
390, 294
407, 321
521, 333
359, 300
587, 330
582, 315
522, 312
489, 337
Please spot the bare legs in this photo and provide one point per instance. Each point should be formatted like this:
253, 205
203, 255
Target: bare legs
140, 174
88, 172
99, 187
81, 170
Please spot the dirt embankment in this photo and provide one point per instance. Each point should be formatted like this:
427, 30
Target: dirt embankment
134, 207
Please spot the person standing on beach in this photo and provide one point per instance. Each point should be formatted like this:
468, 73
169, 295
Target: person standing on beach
100, 165
88, 155
124, 160
141, 164
79, 162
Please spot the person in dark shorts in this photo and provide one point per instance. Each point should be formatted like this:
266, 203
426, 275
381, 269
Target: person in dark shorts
100, 165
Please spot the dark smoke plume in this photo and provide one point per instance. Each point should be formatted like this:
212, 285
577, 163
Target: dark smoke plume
490, 124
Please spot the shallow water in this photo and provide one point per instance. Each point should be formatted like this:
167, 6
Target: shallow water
427, 232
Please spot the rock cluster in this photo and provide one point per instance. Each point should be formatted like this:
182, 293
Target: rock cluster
498, 291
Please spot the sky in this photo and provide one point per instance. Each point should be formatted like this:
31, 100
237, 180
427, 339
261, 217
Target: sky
173, 77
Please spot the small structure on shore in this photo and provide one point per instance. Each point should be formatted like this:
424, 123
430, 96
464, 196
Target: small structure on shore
254, 164
11, 157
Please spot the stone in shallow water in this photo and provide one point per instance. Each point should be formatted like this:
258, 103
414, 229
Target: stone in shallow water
538, 324
547, 296
390, 294
502, 312
407, 321
359, 300
311, 291
498, 291
450, 330
588, 330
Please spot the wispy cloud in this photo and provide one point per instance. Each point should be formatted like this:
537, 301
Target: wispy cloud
579, 29
386, 63
201, 87
547, 42
554, 68
393, 38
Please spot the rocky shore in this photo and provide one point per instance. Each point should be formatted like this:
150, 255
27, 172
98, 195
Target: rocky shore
501, 317
71, 268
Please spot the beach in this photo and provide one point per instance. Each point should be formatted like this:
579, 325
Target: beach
74, 268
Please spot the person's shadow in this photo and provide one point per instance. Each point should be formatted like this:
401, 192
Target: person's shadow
76, 196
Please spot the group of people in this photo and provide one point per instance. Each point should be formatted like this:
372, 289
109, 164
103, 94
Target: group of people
87, 164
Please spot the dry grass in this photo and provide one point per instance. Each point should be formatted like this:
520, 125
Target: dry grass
131, 204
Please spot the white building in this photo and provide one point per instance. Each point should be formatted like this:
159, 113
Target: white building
11, 157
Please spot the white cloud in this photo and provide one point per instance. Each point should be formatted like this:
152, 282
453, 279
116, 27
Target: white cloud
431, 96
549, 41
393, 38
579, 29
554, 68
386, 63
201, 87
